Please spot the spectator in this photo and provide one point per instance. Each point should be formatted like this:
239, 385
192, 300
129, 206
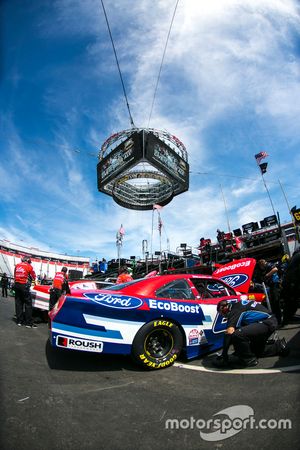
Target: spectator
202, 242
263, 271
4, 284
291, 288
124, 275
103, 266
44, 279
282, 266
249, 325
24, 275
221, 239
95, 267
267, 273
60, 286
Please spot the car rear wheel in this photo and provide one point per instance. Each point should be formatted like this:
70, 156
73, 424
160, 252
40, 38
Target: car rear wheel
157, 344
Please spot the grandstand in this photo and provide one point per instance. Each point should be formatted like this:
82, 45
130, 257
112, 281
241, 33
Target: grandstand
45, 264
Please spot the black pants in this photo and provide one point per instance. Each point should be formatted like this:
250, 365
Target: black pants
54, 296
4, 291
275, 301
249, 341
23, 303
291, 295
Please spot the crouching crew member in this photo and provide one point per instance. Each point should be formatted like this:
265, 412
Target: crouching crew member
60, 286
24, 275
249, 325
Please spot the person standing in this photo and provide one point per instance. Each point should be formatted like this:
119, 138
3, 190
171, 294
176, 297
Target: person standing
103, 266
59, 287
291, 288
4, 284
124, 275
266, 272
24, 275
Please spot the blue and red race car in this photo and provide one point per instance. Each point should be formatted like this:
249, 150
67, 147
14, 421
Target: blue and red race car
153, 319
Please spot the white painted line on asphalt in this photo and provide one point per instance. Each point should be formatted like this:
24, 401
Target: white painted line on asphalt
239, 371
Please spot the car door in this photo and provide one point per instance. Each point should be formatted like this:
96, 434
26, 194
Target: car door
210, 291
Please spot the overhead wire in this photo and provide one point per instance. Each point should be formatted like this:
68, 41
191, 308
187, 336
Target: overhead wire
215, 174
118, 65
162, 61
160, 69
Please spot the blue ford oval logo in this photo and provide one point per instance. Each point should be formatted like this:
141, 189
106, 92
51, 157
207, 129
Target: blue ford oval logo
235, 280
115, 301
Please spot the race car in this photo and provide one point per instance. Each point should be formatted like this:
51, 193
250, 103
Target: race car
155, 320
40, 293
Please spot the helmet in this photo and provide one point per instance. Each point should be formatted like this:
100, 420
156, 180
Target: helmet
285, 258
223, 307
26, 259
64, 269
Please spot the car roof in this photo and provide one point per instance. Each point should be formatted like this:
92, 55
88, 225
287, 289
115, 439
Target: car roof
144, 286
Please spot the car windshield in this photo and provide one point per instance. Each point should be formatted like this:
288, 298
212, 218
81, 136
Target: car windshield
176, 289
117, 287
208, 288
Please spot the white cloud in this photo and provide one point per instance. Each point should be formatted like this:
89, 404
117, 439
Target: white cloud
228, 87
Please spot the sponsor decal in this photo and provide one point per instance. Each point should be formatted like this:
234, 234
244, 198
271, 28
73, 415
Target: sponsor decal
79, 344
233, 266
157, 365
215, 287
197, 337
235, 280
115, 301
220, 322
175, 307
193, 337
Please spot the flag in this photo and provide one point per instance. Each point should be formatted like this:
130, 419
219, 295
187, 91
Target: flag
158, 207
263, 167
259, 156
120, 235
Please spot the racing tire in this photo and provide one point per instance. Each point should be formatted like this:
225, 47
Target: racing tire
157, 344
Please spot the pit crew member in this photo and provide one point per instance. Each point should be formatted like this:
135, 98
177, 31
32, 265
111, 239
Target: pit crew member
60, 286
249, 325
24, 275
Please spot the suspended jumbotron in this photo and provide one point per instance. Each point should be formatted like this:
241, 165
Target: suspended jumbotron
141, 167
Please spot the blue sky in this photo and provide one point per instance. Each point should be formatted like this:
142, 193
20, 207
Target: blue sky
229, 88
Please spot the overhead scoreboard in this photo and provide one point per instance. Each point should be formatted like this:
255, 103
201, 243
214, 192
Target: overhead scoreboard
142, 167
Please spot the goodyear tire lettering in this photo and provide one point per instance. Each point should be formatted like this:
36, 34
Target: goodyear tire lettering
157, 344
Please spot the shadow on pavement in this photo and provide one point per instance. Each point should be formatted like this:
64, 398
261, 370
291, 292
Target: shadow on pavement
271, 362
60, 359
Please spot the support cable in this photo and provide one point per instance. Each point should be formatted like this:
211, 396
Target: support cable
118, 65
162, 61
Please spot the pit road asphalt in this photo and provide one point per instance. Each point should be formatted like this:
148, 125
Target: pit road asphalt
63, 400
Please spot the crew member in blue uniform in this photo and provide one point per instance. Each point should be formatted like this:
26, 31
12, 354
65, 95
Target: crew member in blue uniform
249, 325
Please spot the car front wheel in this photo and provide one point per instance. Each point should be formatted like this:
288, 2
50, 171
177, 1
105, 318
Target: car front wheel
157, 344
